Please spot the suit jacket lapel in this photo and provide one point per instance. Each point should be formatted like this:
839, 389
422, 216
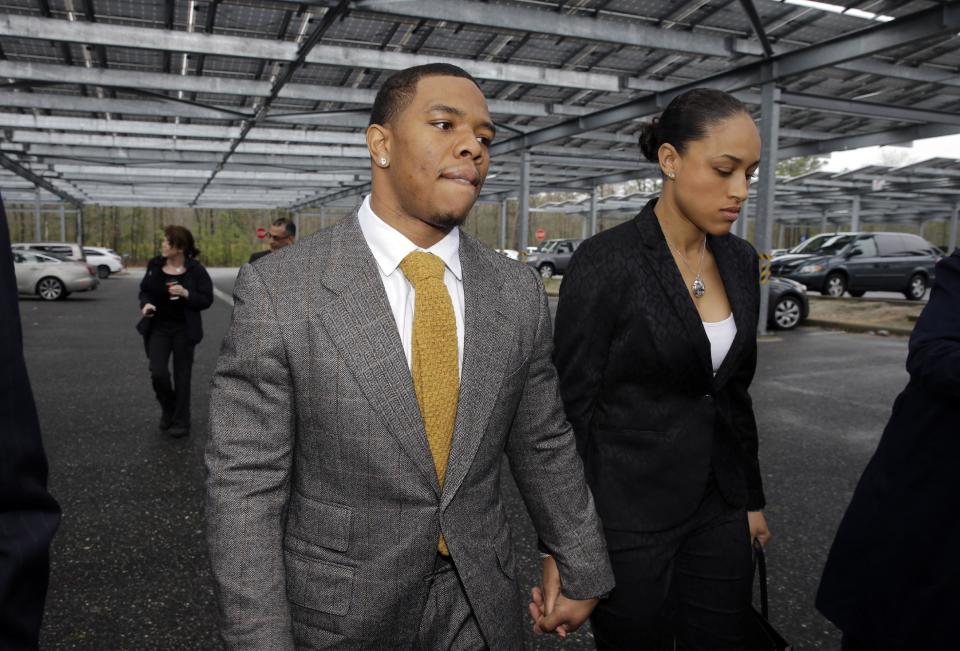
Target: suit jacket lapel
485, 327
733, 275
360, 323
664, 268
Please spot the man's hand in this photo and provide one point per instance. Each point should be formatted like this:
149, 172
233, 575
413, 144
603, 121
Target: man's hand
148, 309
758, 527
551, 611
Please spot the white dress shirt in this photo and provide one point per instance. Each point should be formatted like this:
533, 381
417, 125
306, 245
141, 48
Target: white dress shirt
389, 248
721, 335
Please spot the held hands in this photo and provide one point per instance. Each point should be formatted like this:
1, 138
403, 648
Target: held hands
148, 310
758, 527
551, 611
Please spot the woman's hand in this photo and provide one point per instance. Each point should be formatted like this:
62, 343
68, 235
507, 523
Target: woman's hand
178, 290
148, 310
758, 527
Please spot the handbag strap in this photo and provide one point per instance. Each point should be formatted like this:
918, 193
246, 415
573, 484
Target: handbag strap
760, 559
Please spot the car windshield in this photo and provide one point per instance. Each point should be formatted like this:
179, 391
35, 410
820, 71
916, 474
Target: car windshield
812, 245
835, 245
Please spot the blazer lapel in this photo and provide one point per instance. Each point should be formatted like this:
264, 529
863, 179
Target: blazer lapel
485, 329
664, 268
734, 276
360, 322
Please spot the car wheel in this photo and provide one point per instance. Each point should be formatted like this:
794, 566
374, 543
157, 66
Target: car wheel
856, 293
787, 313
546, 270
917, 287
835, 285
51, 289
103, 271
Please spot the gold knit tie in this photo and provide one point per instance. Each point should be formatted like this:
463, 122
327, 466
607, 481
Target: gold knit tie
436, 377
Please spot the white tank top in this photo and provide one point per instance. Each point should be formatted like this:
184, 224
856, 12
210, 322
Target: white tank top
720, 334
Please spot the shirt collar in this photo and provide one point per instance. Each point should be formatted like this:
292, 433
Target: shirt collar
389, 246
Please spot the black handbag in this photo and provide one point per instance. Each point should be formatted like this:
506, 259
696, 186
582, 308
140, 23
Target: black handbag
760, 634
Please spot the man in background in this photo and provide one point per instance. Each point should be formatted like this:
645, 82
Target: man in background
29, 516
282, 233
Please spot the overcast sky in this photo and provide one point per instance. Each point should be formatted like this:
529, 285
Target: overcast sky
945, 147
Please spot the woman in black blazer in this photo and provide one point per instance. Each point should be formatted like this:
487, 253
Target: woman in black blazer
172, 293
656, 348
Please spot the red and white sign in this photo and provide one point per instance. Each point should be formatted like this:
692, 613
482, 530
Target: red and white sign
541, 235
261, 233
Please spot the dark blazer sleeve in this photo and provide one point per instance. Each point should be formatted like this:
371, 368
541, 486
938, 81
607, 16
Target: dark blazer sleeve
741, 414
202, 295
151, 285
586, 317
29, 516
934, 358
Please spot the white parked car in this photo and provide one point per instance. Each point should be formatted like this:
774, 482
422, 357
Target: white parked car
105, 261
513, 254
69, 250
49, 277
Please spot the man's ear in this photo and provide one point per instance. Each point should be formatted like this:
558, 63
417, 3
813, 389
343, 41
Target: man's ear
378, 144
669, 159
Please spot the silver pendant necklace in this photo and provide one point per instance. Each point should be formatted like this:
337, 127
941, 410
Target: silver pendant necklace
697, 287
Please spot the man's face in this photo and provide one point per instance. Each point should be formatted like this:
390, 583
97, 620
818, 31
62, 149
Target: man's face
438, 152
279, 237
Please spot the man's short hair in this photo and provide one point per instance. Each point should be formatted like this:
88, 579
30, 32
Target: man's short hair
288, 223
397, 91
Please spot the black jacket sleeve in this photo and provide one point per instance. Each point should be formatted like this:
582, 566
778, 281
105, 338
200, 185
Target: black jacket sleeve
934, 358
201, 295
29, 516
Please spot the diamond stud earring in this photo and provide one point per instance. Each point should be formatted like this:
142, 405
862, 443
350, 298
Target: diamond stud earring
671, 175
383, 162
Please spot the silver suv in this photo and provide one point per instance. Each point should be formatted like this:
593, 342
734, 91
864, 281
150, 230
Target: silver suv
553, 257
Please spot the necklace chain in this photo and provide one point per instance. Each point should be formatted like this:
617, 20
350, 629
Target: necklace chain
697, 287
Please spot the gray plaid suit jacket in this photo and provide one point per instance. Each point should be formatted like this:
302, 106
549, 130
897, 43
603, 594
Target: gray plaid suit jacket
323, 505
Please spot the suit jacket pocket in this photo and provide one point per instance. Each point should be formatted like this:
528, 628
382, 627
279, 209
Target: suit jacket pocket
318, 585
319, 523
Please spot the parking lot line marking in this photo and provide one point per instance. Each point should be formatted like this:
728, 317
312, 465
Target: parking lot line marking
223, 296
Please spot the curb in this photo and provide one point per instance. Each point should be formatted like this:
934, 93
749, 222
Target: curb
853, 326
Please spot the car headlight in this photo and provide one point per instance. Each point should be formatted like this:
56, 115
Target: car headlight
811, 269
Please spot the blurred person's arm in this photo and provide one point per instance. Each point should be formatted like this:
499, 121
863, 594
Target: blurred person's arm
934, 358
29, 516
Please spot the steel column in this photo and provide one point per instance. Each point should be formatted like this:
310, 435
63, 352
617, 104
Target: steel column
594, 196
37, 234
952, 245
63, 225
855, 213
523, 211
740, 226
763, 235
502, 226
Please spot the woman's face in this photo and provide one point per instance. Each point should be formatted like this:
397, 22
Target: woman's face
712, 177
167, 249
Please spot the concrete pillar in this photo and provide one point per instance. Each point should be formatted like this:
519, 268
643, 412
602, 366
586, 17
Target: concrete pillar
502, 226
769, 133
523, 210
594, 197
855, 213
63, 225
952, 244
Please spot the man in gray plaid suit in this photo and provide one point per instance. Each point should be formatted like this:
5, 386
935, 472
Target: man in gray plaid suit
333, 523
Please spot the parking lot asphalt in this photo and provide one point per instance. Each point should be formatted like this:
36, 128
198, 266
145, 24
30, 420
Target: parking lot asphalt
129, 565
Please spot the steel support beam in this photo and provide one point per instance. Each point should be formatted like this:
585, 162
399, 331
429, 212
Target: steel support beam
855, 213
891, 137
523, 209
869, 109
38, 181
594, 199
931, 22
502, 225
954, 227
766, 192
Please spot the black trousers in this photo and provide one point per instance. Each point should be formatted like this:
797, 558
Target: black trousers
691, 584
168, 338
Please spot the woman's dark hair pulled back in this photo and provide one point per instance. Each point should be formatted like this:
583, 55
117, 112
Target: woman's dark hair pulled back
687, 117
181, 238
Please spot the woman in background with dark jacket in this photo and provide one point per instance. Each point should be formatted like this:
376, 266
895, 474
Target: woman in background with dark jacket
172, 293
656, 348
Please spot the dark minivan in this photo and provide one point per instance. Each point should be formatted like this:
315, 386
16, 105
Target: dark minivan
863, 262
